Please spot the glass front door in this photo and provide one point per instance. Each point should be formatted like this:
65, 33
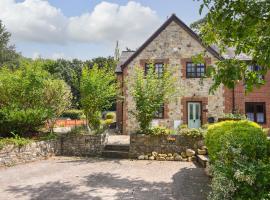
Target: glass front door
194, 115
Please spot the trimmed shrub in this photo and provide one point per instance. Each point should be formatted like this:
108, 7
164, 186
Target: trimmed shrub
73, 114
110, 115
239, 160
245, 134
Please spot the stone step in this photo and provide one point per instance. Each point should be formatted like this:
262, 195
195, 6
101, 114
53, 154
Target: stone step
113, 147
115, 154
202, 160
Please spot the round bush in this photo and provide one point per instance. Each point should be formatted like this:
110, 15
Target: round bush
110, 115
239, 158
244, 134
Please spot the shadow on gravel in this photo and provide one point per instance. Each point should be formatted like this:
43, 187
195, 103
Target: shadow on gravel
51, 191
187, 184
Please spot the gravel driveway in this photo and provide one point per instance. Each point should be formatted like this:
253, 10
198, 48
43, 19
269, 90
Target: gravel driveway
97, 179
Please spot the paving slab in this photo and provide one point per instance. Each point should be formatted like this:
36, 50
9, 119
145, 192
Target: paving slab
62, 178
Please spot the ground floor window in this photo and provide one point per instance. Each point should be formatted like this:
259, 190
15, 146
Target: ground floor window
256, 112
160, 113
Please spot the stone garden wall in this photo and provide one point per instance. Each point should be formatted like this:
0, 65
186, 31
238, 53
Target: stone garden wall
11, 155
82, 145
66, 145
146, 144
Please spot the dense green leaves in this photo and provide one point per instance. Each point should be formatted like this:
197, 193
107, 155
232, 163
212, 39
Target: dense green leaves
239, 158
29, 97
71, 71
243, 25
98, 89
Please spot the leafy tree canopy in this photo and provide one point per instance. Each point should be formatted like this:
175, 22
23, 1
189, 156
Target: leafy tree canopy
245, 26
98, 89
8, 55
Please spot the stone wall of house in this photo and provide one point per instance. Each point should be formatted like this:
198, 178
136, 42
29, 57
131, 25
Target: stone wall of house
174, 45
146, 144
11, 155
82, 145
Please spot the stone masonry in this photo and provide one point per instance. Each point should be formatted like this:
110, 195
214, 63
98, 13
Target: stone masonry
83, 145
11, 155
146, 144
66, 145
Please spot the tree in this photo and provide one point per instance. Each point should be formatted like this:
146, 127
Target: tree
150, 91
244, 26
196, 26
57, 99
29, 96
8, 55
98, 89
69, 71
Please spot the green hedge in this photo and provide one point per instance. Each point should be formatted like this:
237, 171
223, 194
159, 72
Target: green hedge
74, 114
239, 158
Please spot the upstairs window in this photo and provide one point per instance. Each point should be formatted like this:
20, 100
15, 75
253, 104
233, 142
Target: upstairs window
195, 70
256, 112
159, 68
256, 68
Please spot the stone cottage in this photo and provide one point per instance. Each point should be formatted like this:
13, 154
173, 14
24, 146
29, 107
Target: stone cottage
174, 44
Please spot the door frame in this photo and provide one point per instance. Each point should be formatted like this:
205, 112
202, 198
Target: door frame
200, 102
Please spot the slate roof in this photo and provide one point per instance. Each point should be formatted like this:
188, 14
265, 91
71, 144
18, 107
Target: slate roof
124, 56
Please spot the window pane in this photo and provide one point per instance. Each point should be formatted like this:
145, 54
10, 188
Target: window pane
249, 108
191, 111
259, 108
260, 117
147, 66
197, 111
250, 116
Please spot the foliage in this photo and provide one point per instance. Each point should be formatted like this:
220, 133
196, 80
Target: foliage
29, 97
108, 121
196, 26
235, 116
150, 92
8, 55
239, 159
217, 133
243, 26
156, 131
183, 126
192, 132
15, 140
78, 130
73, 114
56, 98
71, 70
111, 115
49, 136
98, 91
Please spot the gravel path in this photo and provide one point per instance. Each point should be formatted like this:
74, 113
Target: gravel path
97, 179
